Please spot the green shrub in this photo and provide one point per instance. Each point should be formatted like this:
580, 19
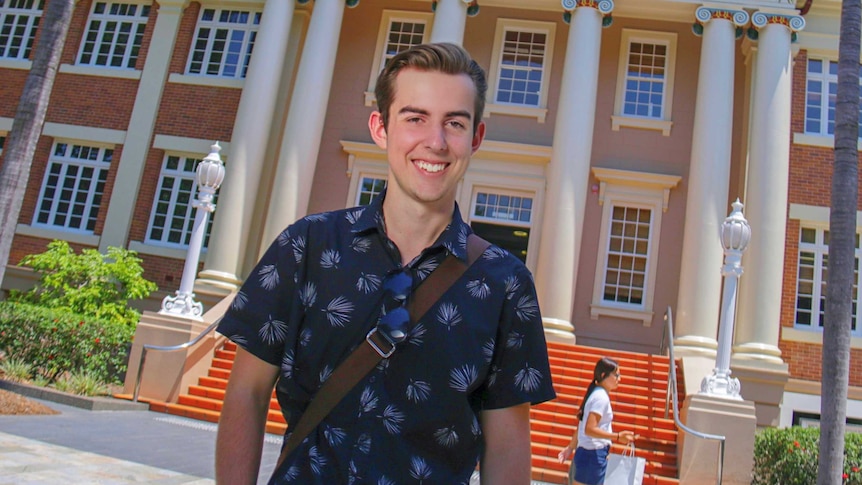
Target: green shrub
16, 370
88, 283
56, 341
82, 383
789, 456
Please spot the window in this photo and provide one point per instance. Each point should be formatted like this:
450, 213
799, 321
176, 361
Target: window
398, 32
821, 87
2, 143
503, 218
19, 20
72, 188
114, 35
173, 216
223, 43
645, 80
633, 203
521, 66
369, 189
811, 278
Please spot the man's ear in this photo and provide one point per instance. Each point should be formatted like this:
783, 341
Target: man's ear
377, 130
478, 136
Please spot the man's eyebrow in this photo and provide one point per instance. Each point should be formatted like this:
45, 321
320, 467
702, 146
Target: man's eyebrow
424, 112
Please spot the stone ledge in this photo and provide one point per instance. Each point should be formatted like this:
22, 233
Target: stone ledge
97, 403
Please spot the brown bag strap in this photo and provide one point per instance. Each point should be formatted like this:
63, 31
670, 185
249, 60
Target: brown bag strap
376, 347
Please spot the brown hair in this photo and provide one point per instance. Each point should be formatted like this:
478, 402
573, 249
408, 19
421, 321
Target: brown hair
441, 57
604, 367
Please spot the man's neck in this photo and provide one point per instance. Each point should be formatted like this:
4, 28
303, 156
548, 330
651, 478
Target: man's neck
414, 226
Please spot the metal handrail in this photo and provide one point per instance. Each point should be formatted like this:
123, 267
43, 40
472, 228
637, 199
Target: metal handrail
672, 393
166, 348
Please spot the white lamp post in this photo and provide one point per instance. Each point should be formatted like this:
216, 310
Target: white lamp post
209, 176
735, 235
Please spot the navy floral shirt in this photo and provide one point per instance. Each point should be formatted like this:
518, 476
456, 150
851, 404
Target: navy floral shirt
314, 296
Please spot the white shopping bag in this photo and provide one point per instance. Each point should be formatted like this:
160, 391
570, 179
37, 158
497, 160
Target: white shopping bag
625, 469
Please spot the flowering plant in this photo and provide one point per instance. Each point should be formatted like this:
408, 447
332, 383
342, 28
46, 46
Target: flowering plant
789, 456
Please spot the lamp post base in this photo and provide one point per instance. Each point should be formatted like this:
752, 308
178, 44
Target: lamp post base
182, 305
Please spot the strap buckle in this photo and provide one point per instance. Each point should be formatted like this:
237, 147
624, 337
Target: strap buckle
376, 346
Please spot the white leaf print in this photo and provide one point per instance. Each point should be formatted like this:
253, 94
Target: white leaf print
528, 379
494, 252
449, 246
488, 349
291, 474
392, 419
283, 238
239, 301
316, 461
461, 379
354, 216
426, 267
514, 340
363, 444
475, 427
385, 481
419, 469
330, 259
512, 286
352, 473
316, 217
462, 236
287, 364
446, 437
416, 335
325, 373
492, 375
526, 308
305, 337
268, 277
367, 401
361, 244
338, 311
240, 340
334, 436
418, 391
448, 315
308, 294
368, 283
298, 248
273, 331
478, 289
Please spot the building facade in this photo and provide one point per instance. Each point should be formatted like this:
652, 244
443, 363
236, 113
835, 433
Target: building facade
619, 133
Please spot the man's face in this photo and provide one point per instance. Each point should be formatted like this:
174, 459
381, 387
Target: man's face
430, 138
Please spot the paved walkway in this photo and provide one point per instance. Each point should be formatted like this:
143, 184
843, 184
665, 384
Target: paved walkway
111, 447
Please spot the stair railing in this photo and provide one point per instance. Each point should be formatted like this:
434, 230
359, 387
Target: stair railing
672, 393
166, 348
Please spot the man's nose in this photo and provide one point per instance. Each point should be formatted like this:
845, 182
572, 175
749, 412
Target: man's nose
436, 139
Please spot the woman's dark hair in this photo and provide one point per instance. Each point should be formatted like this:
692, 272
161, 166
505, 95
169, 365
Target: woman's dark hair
442, 57
604, 367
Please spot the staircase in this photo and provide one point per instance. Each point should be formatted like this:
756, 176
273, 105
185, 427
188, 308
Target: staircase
638, 406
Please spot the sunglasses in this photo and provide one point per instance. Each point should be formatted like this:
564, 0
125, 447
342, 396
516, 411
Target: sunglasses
393, 324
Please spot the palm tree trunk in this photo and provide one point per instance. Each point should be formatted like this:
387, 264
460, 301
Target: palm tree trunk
29, 118
842, 244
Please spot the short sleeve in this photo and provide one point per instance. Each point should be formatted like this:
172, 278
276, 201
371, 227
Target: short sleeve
599, 403
260, 316
520, 371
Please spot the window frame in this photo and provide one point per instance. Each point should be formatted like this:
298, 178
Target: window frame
380, 56
625, 188
34, 14
540, 111
252, 28
65, 161
136, 35
619, 118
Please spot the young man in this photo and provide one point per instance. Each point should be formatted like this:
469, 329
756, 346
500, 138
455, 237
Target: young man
457, 390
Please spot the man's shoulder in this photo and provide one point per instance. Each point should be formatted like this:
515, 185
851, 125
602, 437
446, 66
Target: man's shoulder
329, 220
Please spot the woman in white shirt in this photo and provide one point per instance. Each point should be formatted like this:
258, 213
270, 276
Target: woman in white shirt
595, 429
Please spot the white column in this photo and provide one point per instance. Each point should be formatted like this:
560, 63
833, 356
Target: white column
304, 127
229, 237
450, 17
696, 315
130, 167
569, 171
757, 334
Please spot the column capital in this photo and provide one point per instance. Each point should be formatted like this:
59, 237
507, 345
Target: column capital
472, 7
349, 3
705, 14
761, 19
604, 7
175, 6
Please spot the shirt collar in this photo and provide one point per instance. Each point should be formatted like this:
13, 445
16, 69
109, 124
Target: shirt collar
453, 239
